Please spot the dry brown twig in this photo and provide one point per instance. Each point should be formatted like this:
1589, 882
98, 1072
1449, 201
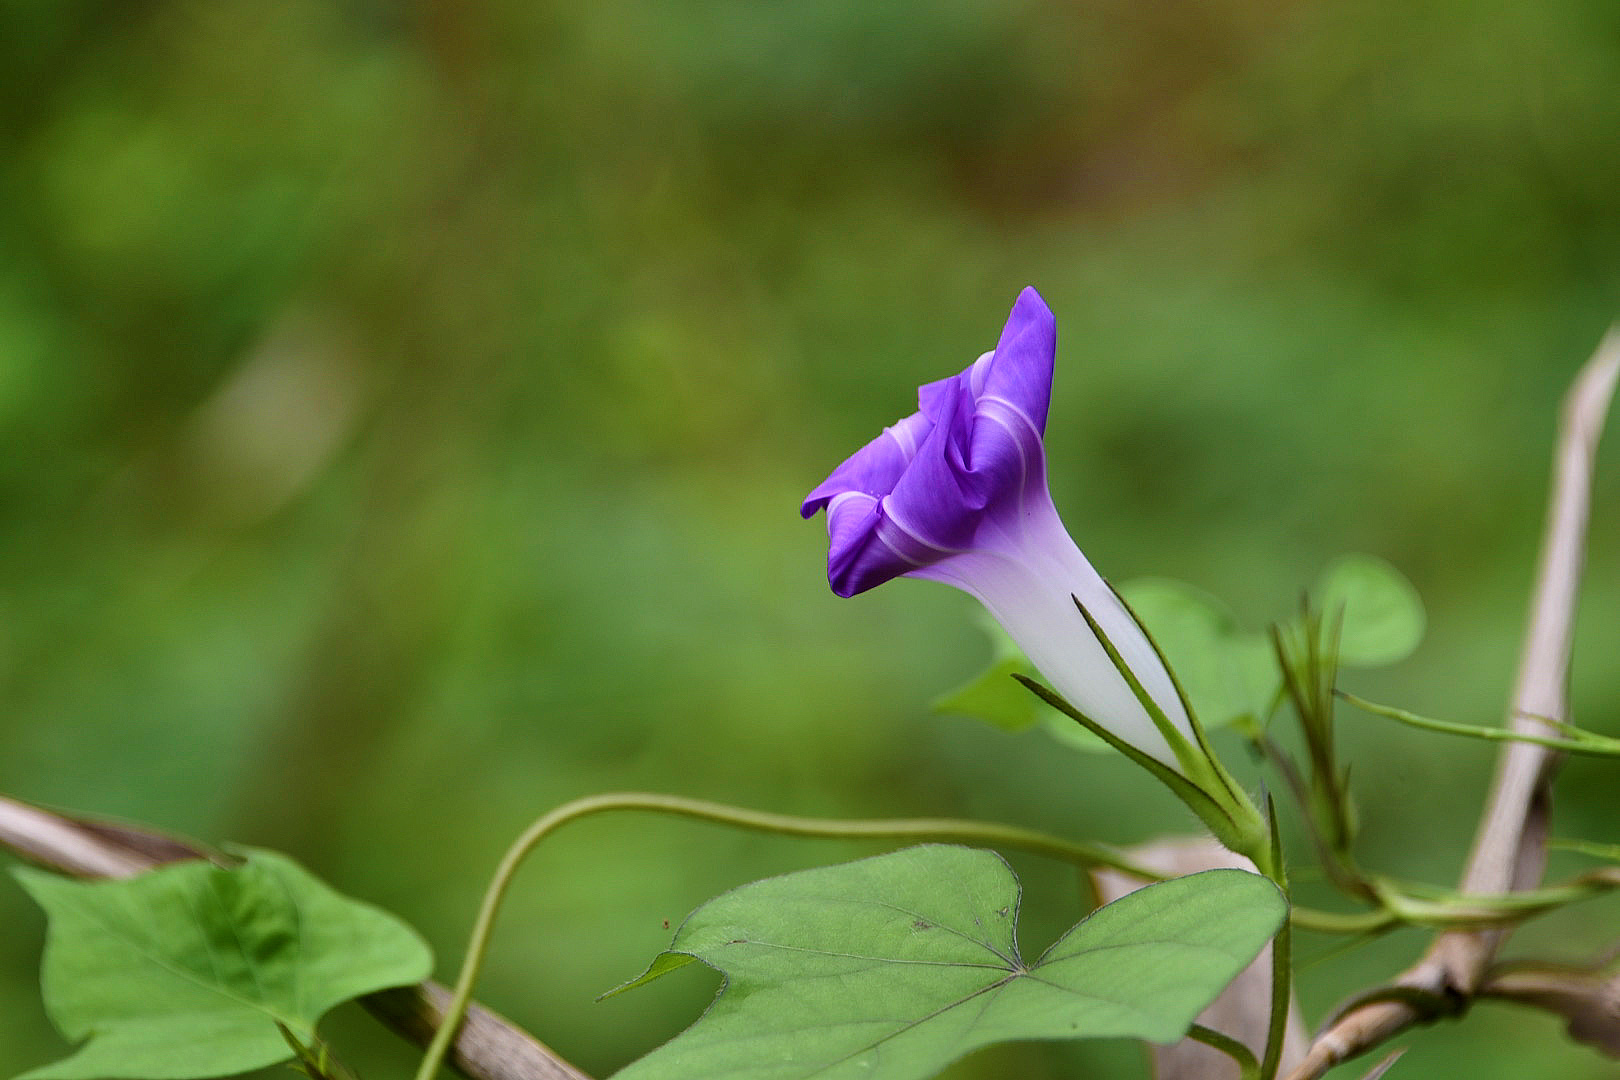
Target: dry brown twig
488, 1047
1510, 848
1587, 998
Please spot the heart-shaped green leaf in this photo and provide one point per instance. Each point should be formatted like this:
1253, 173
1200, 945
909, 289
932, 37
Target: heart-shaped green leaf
186, 971
890, 968
1383, 615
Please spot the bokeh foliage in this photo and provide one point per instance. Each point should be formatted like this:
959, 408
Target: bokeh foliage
408, 403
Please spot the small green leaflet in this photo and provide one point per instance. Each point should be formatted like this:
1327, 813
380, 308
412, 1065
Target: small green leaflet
890, 968
1383, 615
185, 971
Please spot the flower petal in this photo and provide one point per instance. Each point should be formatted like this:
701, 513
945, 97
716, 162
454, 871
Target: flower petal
857, 559
965, 461
875, 467
1007, 455
938, 500
1020, 373
937, 400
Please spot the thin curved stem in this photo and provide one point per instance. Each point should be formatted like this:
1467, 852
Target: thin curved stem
1248, 1067
1337, 922
1574, 740
1427, 905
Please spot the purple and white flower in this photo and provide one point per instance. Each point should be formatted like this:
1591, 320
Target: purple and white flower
956, 492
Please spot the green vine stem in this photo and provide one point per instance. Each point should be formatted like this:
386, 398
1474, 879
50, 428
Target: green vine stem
939, 830
1574, 741
1409, 902
1248, 1067
1282, 958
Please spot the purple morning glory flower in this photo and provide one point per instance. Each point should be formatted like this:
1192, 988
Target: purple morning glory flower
956, 492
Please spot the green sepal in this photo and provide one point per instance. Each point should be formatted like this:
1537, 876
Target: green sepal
1190, 757
1226, 828
1241, 828
1205, 761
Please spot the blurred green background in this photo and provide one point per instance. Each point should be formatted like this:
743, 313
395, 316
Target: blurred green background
408, 407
